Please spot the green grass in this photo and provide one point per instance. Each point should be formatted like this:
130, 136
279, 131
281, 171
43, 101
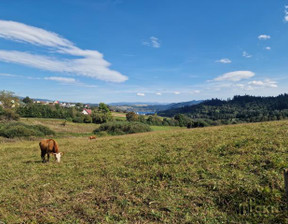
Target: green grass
205, 175
70, 129
164, 128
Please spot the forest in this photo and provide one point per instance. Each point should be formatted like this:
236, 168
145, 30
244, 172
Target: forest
239, 109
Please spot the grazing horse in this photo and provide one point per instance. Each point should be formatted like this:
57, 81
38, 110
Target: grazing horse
49, 146
92, 137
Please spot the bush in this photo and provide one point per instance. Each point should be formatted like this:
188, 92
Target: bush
44, 130
132, 116
87, 119
17, 129
8, 114
154, 120
100, 117
122, 127
78, 119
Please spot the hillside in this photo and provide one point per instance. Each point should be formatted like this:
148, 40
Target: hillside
207, 175
150, 107
239, 109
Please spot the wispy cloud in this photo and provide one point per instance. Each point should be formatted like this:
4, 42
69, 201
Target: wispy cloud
246, 55
90, 63
153, 42
224, 61
265, 83
264, 37
268, 48
61, 79
176, 93
69, 81
159, 94
235, 76
286, 13
140, 94
8, 75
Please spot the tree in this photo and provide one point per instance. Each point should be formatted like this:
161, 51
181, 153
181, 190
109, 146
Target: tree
103, 108
132, 116
102, 114
8, 99
27, 100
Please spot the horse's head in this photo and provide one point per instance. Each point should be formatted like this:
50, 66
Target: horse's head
58, 156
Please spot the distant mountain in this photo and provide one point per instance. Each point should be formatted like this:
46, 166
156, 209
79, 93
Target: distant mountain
184, 104
135, 103
150, 107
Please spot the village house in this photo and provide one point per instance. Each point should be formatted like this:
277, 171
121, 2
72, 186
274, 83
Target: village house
86, 111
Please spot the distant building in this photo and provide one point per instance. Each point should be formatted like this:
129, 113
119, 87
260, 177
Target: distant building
86, 111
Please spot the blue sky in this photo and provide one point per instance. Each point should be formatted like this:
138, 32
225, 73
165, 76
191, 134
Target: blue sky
143, 50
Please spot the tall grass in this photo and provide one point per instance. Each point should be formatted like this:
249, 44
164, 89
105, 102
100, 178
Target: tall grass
229, 174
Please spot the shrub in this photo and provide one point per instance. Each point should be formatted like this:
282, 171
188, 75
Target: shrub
8, 114
44, 130
132, 116
100, 117
154, 120
122, 127
87, 119
78, 119
18, 129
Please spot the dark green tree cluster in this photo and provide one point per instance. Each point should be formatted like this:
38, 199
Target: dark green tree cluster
154, 120
101, 114
237, 110
46, 111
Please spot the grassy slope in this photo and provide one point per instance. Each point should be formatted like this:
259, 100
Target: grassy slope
184, 176
70, 128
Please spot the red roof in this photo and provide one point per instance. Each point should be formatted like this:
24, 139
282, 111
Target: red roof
89, 111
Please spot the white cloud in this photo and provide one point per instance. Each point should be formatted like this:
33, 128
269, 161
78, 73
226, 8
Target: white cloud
90, 62
264, 37
246, 55
153, 42
265, 83
140, 94
176, 93
196, 91
8, 75
235, 76
61, 79
159, 94
224, 61
286, 13
268, 48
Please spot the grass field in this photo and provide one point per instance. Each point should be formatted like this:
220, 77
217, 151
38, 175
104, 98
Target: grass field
70, 128
227, 174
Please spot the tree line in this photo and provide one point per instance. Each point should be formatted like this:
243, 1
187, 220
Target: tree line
239, 109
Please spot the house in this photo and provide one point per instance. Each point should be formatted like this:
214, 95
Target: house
86, 111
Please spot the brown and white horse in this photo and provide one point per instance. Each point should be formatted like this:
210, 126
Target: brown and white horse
49, 146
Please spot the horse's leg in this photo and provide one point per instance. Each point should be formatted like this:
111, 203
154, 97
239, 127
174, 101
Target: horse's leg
43, 156
48, 157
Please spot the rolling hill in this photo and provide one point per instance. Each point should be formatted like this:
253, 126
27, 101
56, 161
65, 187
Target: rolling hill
207, 175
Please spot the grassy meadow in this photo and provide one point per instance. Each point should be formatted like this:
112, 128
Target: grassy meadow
227, 174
